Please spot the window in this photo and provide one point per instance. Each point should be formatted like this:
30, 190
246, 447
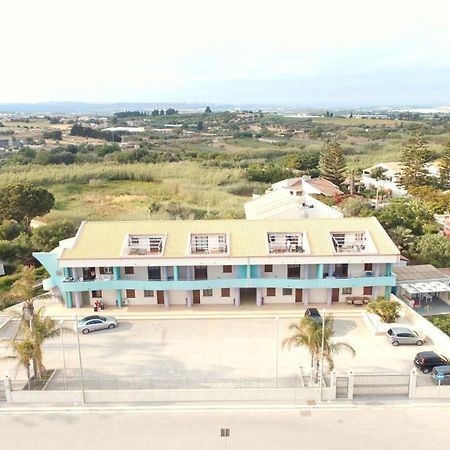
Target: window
227, 269
368, 267
106, 270
268, 268
293, 271
271, 292
225, 292
130, 293
148, 293
341, 270
129, 270
96, 294
367, 290
287, 291
200, 272
154, 273
347, 291
207, 292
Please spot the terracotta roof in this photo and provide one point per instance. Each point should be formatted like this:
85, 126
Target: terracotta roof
324, 186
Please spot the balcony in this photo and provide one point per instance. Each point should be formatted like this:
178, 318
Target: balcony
352, 242
285, 243
144, 245
208, 244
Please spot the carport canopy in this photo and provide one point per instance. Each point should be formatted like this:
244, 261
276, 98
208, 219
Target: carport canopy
422, 287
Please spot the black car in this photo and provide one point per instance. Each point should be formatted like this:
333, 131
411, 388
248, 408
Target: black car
313, 313
426, 361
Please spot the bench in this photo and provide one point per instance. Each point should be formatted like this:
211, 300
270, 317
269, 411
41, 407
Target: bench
357, 300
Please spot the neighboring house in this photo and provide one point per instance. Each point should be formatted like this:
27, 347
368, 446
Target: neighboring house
222, 262
283, 204
6, 141
444, 221
390, 177
307, 185
389, 180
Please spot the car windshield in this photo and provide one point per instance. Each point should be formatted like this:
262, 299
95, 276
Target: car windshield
390, 332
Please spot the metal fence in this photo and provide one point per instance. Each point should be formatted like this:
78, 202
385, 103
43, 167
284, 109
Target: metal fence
379, 385
59, 382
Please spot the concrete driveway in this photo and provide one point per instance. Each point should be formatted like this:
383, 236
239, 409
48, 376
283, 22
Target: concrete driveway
215, 349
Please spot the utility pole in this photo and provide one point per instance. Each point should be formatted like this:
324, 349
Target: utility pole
321, 355
81, 364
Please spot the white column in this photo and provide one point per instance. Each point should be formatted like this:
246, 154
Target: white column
412, 384
350, 385
306, 296
330, 270
329, 294
164, 273
259, 300
166, 298
305, 270
78, 300
333, 381
237, 296
377, 269
8, 389
189, 298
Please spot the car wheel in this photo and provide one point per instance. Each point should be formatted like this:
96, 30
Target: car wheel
395, 343
419, 342
85, 331
426, 370
111, 326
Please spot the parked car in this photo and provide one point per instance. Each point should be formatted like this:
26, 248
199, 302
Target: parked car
427, 361
94, 323
313, 313
400, 335
443, 371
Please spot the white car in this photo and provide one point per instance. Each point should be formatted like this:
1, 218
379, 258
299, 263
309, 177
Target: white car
94, 323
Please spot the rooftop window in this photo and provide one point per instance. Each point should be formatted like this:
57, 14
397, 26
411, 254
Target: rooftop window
145, 244
351, 242
208, 244
286, 242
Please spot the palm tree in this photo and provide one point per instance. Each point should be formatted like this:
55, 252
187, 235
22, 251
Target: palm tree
308, 333
24, 353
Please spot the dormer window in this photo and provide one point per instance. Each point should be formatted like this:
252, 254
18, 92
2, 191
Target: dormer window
286, 243
145, 244
208, 244
352, 242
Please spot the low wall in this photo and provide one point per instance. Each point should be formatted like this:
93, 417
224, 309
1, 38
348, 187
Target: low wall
432, 392
437, 337
171, 396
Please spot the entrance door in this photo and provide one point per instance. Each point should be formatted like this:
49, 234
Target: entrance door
160, 297
196, 296
298, 295
335, 295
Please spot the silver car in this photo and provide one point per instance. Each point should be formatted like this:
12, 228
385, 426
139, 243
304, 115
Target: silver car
397, 336
94, 323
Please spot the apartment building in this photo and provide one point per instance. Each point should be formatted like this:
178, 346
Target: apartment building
229, 262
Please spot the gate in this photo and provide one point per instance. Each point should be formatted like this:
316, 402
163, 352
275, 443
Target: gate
373, 385
341, 387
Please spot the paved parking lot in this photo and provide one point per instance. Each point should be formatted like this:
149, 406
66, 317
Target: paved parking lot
217, 348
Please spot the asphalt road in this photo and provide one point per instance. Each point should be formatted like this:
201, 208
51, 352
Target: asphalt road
368, 428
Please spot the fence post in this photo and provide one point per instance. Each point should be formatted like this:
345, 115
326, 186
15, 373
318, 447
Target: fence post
412, 383
351, 383
333, 386
8, 389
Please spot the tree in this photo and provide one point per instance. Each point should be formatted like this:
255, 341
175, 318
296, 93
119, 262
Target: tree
305, 161
406, 213
356, 207
308, 333
332, 163
388, 310
208, 110
444, 167
413, 159
46, 238
34, 328
200, 126
403, 238
22, 202
434, 249
10, 229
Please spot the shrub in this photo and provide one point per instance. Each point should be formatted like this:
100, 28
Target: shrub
442, 322
388, 311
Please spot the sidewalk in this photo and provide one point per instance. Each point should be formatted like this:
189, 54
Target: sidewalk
59, 311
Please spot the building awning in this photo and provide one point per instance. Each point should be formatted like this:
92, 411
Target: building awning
423, 287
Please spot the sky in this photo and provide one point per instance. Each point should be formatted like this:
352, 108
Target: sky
284, 52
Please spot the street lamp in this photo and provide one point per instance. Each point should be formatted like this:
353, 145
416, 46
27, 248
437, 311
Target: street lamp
79, 358
61, 322
276, 351
321, 354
